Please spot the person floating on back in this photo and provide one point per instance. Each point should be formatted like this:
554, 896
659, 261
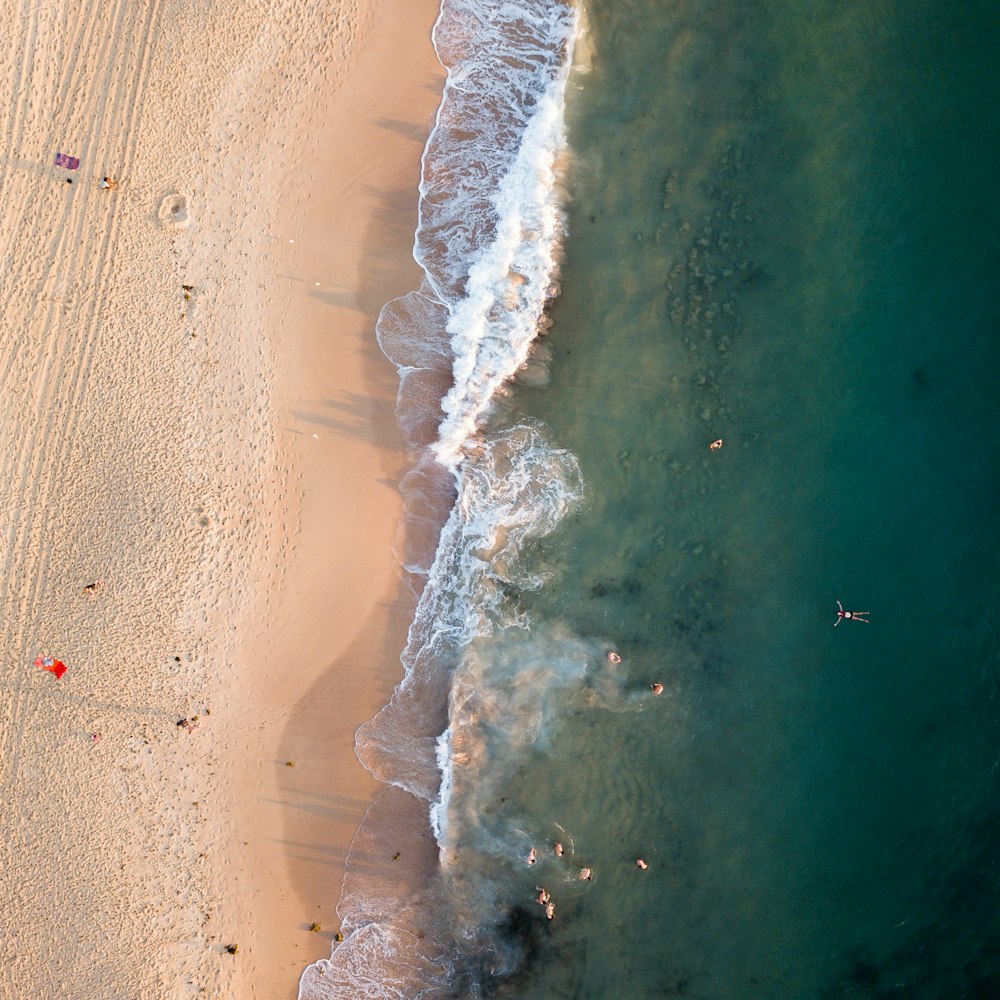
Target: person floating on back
854, 616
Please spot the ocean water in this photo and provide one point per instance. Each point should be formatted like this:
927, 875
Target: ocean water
645, 227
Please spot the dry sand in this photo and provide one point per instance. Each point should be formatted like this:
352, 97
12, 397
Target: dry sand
222, 457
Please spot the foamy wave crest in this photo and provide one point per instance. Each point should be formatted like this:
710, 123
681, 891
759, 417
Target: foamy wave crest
515, 487
490, 221
391, 948
494, 325
374, 963
488, 240
506, 62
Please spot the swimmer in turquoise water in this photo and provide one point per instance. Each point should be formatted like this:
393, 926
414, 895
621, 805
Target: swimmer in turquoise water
854, 616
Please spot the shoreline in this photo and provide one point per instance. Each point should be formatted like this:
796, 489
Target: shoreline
345, 610
175, 356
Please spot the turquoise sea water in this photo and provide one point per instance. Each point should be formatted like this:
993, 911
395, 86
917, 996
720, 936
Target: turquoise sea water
781, 232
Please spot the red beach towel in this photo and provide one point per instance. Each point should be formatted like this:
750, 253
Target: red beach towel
56, 667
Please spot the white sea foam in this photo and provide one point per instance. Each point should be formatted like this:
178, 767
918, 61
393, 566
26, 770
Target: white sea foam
488, 240
514, 488
377, 962
496, 321
490, 220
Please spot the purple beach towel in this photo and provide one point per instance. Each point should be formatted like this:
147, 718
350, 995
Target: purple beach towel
69, 162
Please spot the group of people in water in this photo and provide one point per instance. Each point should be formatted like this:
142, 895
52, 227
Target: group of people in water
544, 897
615, 658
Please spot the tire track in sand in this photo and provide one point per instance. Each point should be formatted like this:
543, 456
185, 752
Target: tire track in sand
47, 345
42, 456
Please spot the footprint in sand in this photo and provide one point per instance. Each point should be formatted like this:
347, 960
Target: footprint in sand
173, 212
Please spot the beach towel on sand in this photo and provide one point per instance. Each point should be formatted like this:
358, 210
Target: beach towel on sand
56, 667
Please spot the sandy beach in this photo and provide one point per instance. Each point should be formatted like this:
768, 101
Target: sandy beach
197, 421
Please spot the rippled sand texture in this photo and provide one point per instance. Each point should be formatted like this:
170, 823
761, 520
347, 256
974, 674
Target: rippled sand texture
191, 418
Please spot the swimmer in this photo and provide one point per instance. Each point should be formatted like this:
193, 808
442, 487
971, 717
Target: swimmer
532, 856
854, 616
558, 850
543, 897
640, 864
585, 875
656, 688
550, 910
614, 657
715, 445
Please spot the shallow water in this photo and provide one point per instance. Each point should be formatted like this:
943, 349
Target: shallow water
781, 234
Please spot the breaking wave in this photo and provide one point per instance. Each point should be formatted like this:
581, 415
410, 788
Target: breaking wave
488, 240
